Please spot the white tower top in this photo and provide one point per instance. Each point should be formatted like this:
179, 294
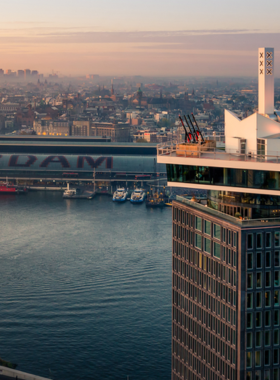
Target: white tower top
266, 80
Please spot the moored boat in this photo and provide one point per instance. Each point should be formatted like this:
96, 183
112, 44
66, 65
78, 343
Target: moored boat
156, 198
120, 195
7, 188
69, 193
138, 196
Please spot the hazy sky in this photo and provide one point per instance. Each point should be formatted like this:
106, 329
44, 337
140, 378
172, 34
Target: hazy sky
130, 37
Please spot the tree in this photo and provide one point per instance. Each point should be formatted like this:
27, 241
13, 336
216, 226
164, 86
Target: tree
164, 123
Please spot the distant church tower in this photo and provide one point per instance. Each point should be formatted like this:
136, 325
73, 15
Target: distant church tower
112, 88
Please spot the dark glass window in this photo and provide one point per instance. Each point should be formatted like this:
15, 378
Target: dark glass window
217, 250
276, 259
259, 279
267, 279
255, 179
234, 259
259, 240
276, 317
249, 280
229, 237
249, 261
277, 238
234, 239
207, 227
267, 318
198, 240
250, 241
258, 338
249, 300
217, 231
207, 245
276, 278
198, 223
268, 240
224, 235
275, 356
259, 260
249, 340
258, 319
267, 260
267, 338
266, 357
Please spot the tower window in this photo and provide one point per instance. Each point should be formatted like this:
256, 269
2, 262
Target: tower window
217, 231
250, 241
198, 223
277, 238
249, 261
259, 240
258, 358
268, 240
207, 227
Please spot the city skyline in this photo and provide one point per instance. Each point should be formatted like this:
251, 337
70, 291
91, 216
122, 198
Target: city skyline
137, 39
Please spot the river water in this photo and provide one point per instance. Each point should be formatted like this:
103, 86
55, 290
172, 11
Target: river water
85, 287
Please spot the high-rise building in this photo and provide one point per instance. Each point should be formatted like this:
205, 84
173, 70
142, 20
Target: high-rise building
20, 73
27, 73
226, 248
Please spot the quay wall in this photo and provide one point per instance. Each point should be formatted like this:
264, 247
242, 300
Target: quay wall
14, 374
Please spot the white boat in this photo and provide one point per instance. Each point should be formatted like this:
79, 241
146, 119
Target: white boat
120, 195
69, 193
138, 196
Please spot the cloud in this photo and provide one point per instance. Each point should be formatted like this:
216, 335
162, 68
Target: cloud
237, 39
185, 52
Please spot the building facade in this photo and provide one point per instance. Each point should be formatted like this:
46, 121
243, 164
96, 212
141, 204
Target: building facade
81, 128
118, 132
226, 248
225, 295
49, 127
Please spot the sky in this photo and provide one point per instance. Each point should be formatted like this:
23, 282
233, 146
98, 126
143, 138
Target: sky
133, 37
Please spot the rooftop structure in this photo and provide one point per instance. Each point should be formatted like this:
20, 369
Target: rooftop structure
226, 249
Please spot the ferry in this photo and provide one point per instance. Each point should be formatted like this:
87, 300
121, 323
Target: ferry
6, 187
120, 195
138, 196
78, 193
69, 193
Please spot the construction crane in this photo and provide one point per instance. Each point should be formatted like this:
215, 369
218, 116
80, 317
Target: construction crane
190, 126
187, 137
197, 127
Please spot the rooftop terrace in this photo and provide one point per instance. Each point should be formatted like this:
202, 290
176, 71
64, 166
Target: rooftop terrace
232, 219
199, 151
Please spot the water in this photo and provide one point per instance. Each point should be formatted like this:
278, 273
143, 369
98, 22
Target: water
85, 288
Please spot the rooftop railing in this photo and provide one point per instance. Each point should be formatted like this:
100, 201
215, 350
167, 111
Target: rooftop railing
241, 222
200, 151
